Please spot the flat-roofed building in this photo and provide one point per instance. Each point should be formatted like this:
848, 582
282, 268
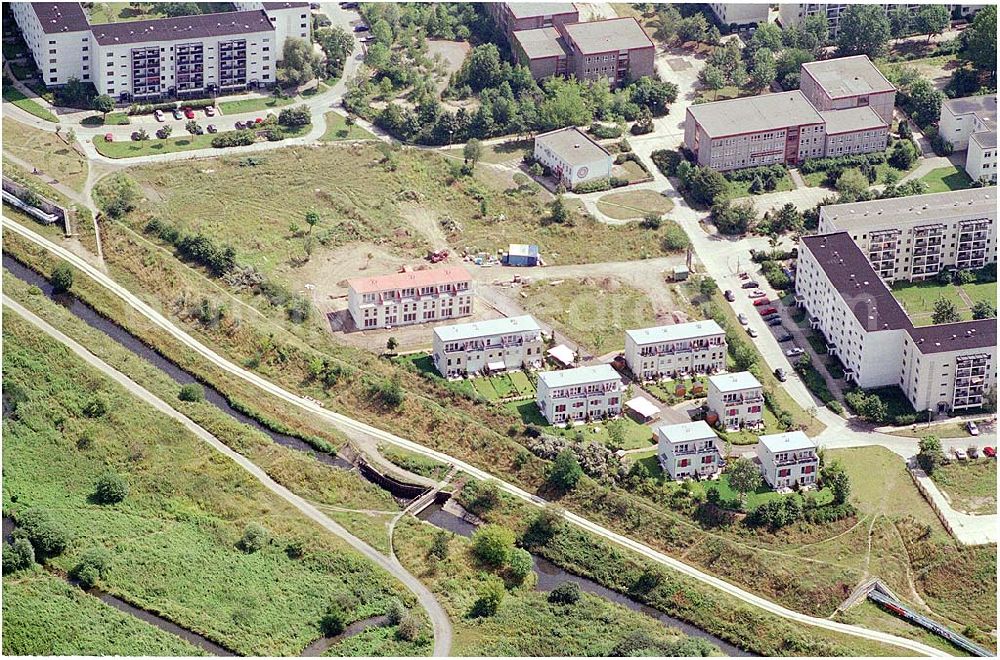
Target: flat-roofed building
672, 350
854, 131
848, 82
617, 49
572, 156
580, 394
543, 51
981, 158
787, 459
689, 450
59, 38
737, 398
498, 345
290, 19
942, 367
513, 17
915, 237
959, 118
407, 298
741, 14
790, 14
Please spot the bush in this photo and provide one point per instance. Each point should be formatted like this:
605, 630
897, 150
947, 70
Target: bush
493, 545
491, 595
409, 628
566, 593
566, 470
595, 185
17, 556
95, 408
835, 406
255, 537
47, 536
840, 163
521, 565
395, 612
192, 392
389, 392
110, 488
605, 131
300, 115
233, 139
333, 621
762, 171
667, 160
62, 278
92, 566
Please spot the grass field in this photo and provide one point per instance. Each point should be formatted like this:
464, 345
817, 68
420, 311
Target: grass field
44, 616
970, 486
944, 179
637, 435
742, 188
119, 12
13, 95
112, 119
511, 151
595, 313
634, 204
940, 430
337, 129
918, 298
258, 104
378, 642
185, 142
46, 151
172, 541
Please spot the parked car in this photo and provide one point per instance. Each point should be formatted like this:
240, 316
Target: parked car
211, 128
158, 115
793, 351
768, 317
757, 293
768, 310
960, 454
742, 318
971, 427
973, 452
780, 375
729, 295
177, 113
761, 301
136, 136
210, 111
108, 137
785, 337
240, 126
361, 28
990, 451
189, 113
775, 321
751, 332
752, 284
258, 120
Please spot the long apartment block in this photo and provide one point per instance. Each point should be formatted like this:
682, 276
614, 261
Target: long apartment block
788, 459
488, 346
737, 398
673, 350
914, 238
580, 394
688, 450
790, 127
939, 367
408, 298
790, 14
182, 57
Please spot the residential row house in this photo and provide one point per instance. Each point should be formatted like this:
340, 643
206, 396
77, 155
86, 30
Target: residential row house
914, 238
494, 346
689, 450
970, 124
408, 298
675, 350
738, 400
788, 459
942, 368
580, 395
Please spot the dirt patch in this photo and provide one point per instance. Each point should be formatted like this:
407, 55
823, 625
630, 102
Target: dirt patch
678, 64
329, 272
427, 223
452, 54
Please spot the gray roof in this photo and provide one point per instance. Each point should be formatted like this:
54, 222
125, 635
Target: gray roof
982, 106
675, 332
915, 209
541, 42
271, 6
986, 139
790, 441
731, 382
572, 145
686, 432
579, 376
530, 9
488, 328
848, 76
60, 16
877, 309
850, 120
183, 27
614, 34
755, 113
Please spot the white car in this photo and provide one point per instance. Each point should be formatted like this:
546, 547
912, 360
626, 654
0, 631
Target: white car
960, 454
972, 428
742, 318
158, 114
793, 351
751, 331
757, 294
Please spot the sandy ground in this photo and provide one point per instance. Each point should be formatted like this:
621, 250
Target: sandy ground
452, 53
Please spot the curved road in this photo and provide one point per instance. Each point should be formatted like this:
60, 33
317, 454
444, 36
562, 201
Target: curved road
351, 425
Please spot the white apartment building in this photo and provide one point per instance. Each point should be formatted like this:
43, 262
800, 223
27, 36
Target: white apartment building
59, 38
981, 158
845, 83
795, 13
572, 156
673, 350
488, 346
290, 19
688, 450
913, 238
740, 13
411, 297
787, 459
738, 400
580, 394
960, 118
939, 367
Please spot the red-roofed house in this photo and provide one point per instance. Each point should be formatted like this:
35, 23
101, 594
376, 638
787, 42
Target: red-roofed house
411, 297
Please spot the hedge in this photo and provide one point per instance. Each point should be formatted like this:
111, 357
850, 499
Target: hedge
841, 162
763, 171
595, 185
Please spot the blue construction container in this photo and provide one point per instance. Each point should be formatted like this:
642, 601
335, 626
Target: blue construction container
522, 255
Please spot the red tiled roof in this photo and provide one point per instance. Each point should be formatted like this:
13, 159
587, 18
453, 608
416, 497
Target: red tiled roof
416, 278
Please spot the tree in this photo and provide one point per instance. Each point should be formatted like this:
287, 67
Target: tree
391, 344
333, 621
899, 21
767, 36
925, 102
713, 78
945, 311
483, 68
164, 132
439, 548
312, 219
705, 185
62, 278
92, 566
734, 219
300, 115
472, 151
984, 309
191, 392
337, 44
521, 565
493, 545
851, 184
254, 538
931, 20
707, 286
836, 478
980, 41
491, 595
616, 434
903, 155
300, 63
17, 556
104, 104
763, 70
193, 127
864, 30
788, 67
47, 536
110, 488
566, 593
558, 213
930, 454
565, 471
744, 477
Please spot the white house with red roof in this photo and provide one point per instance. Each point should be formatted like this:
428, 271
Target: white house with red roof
410, 297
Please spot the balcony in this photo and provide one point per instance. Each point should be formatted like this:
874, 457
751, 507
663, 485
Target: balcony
796, 460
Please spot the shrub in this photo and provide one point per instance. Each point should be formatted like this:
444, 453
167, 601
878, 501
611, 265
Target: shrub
667, 160
440, 547
191, 392
761, 172
333, 621
491, 595
566, 470
17, 556
493, 544
651, 221
835, 406
110, 488
96, 407
233, 139
566, 593
521, 564
62, 278
255, 537
389, 392
594, 185
409, 628
92, 566
395, 612
47, 536
605, 131
300, 115
617, 182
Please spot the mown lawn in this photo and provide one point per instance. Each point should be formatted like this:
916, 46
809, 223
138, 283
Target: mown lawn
918, 298
944, 179
258, 104
119, 12
633, 204
970, 485
637, 435
124, 148
337, 129
13, 95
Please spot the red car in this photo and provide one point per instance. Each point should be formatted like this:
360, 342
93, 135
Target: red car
990, 451
768, 310
189, 113
258, 120
108, 137
761, 301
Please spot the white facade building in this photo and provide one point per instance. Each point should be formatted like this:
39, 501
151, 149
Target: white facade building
960, 118
688, 450
420, 296
795, 13
672, 350
59, 38
740, 13
580, 394
488, 346
737, 398
290, 19
981, 158
572, 156
787, 459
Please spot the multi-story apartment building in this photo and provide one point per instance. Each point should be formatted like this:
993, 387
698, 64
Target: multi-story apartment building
795, 13
688, 450
672, 350
740, 14
513, 17
411, 297
971, 123
848, 82
580, 394
787, 459
913, 238
939, 367
488, 346
572, 156
981, 158
184, 56
737, 398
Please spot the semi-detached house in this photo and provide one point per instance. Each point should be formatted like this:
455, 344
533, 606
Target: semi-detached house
580, 394
688, 450
737, 398
411, 297
787, 459
488, 346
672, 350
